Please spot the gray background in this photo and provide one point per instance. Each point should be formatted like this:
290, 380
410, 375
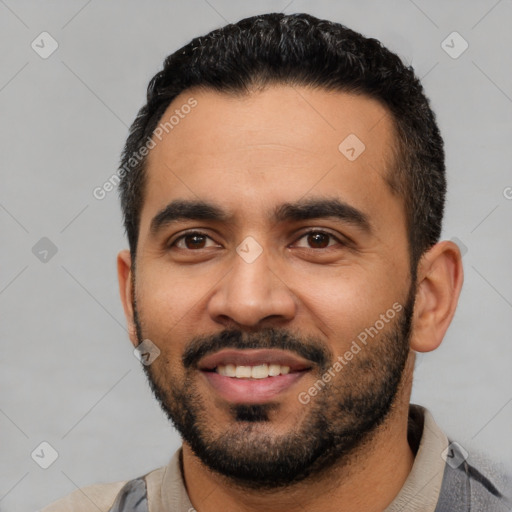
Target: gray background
68, 375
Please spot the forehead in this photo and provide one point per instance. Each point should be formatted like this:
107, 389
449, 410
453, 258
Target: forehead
250, 152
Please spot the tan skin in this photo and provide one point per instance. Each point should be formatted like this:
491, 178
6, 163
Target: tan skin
250, 154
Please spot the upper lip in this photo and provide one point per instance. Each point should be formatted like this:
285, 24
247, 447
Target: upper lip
253, 357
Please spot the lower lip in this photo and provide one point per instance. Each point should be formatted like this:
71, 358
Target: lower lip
251, 391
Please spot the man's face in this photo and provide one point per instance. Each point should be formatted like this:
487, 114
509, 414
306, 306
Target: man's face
299, 251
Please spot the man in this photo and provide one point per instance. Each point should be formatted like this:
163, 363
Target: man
283, 191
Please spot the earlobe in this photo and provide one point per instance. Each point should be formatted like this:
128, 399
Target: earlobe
439, 282
124, 275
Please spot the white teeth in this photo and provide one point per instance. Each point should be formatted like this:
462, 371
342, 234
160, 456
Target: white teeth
230, 370
243, 372
274, 369
261, 371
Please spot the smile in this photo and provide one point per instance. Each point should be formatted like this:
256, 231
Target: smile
252, 376
261, 371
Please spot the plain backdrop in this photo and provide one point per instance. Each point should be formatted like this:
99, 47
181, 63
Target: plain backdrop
68, 375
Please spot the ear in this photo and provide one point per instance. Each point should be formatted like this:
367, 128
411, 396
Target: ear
124, 276
439, 282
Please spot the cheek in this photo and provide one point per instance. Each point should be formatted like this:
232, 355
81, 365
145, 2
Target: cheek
344, 302
169, 293
167, 304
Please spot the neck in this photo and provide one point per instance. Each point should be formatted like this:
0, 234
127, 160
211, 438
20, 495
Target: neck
369, 481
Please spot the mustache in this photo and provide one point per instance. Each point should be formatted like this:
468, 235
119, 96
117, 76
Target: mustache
306, 347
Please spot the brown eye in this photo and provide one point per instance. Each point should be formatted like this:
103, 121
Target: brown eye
192, 241
317, 240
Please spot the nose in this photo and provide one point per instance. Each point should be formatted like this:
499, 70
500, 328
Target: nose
252, 295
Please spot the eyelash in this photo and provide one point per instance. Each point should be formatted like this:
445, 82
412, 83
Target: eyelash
306, 233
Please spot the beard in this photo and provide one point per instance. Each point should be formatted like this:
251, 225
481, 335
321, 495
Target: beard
340, 419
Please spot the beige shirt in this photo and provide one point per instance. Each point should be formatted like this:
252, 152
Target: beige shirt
167, 492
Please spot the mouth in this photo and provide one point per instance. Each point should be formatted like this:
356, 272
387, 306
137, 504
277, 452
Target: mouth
252, 376
260, 371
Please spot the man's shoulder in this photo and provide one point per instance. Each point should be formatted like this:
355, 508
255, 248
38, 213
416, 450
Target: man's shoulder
474, 481
449, 477
100, 497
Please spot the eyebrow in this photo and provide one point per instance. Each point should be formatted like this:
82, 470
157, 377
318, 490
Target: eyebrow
181, 210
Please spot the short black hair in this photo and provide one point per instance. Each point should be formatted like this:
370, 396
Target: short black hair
301, 50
